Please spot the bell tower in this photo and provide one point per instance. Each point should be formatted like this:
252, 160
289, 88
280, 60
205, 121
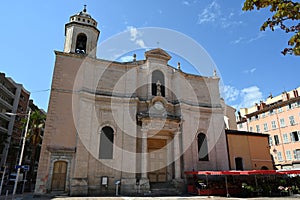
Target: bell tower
81, 34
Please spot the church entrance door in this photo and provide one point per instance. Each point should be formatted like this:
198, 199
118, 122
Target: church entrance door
59, 176
157, 160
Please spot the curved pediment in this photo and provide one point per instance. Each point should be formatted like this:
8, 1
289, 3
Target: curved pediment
158, 53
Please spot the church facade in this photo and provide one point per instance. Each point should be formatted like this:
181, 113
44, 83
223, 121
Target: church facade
126, 124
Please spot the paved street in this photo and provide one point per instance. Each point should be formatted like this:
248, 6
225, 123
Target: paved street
48, 197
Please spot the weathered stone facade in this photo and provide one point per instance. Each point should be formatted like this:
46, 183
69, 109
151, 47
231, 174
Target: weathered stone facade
137, 122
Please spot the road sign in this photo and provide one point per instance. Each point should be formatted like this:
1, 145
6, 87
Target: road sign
18, 166
25, 167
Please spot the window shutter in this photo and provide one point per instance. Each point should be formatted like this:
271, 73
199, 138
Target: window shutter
292, 137
295, 154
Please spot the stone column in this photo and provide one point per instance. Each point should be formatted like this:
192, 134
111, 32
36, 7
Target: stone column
144, 154
177, 155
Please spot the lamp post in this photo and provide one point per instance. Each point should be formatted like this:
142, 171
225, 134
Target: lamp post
22, 149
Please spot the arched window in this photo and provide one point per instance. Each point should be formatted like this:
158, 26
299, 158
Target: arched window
106, 143
239, 163
202, 147
81, 44
158, 80
264, 168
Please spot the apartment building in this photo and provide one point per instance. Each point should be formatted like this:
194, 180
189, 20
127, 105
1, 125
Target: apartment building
279, 117
14, 98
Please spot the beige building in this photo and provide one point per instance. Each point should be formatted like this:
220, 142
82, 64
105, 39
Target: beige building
137, 123
248, 151
280, 118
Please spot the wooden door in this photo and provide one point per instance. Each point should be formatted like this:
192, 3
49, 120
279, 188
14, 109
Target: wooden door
59, 176
157, 160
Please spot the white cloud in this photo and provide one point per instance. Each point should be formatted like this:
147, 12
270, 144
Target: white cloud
133, 32
250, 71
257, 37
126, 59
213, 14
141, 43
248, 40
135, 36
186, 3
237, 41
210, 13
250, 96
230, 93
243, 98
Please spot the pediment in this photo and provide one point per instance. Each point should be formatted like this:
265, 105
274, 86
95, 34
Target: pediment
158, 53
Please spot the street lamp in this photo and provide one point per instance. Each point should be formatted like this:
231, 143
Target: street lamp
22, 149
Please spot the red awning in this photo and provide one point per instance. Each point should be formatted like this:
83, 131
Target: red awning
247, 172
258, 172
288, 171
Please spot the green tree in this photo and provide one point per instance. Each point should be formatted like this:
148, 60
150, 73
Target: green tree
285, 16
34, 139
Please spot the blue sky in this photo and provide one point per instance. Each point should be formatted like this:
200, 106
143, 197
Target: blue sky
248, 61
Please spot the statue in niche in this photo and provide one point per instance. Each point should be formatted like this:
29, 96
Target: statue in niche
158, 88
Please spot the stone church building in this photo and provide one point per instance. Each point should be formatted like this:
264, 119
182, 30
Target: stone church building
129, 125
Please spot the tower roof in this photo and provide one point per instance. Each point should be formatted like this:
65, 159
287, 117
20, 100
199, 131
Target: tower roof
83, 17
84, 13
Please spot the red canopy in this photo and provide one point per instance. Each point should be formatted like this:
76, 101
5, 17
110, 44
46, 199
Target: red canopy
288, 171
247, 172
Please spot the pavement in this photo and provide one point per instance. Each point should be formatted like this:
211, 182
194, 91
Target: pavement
28, 196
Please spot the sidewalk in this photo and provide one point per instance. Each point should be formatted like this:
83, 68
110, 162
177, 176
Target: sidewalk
28, 196
25, 196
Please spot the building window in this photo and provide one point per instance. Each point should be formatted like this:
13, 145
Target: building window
294, 136
239, 163
282, 123
270, 141
106, 143
289, 106
285, 138
288, 155
158, 83
241, 125
279, 156
292, 120
279, 109
263, 115
271, 112
265, 127
297, 154
251, 129
273, 123
276, 139
257, 129
81, 44
202, 147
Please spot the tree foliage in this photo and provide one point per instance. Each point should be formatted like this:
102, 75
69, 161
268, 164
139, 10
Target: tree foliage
286, 15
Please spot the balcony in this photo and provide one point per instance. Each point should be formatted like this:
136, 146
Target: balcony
4, 116
3, 130
5, 104
8, 92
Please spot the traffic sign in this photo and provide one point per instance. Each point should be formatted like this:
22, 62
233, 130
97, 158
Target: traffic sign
18, 166
24, 167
